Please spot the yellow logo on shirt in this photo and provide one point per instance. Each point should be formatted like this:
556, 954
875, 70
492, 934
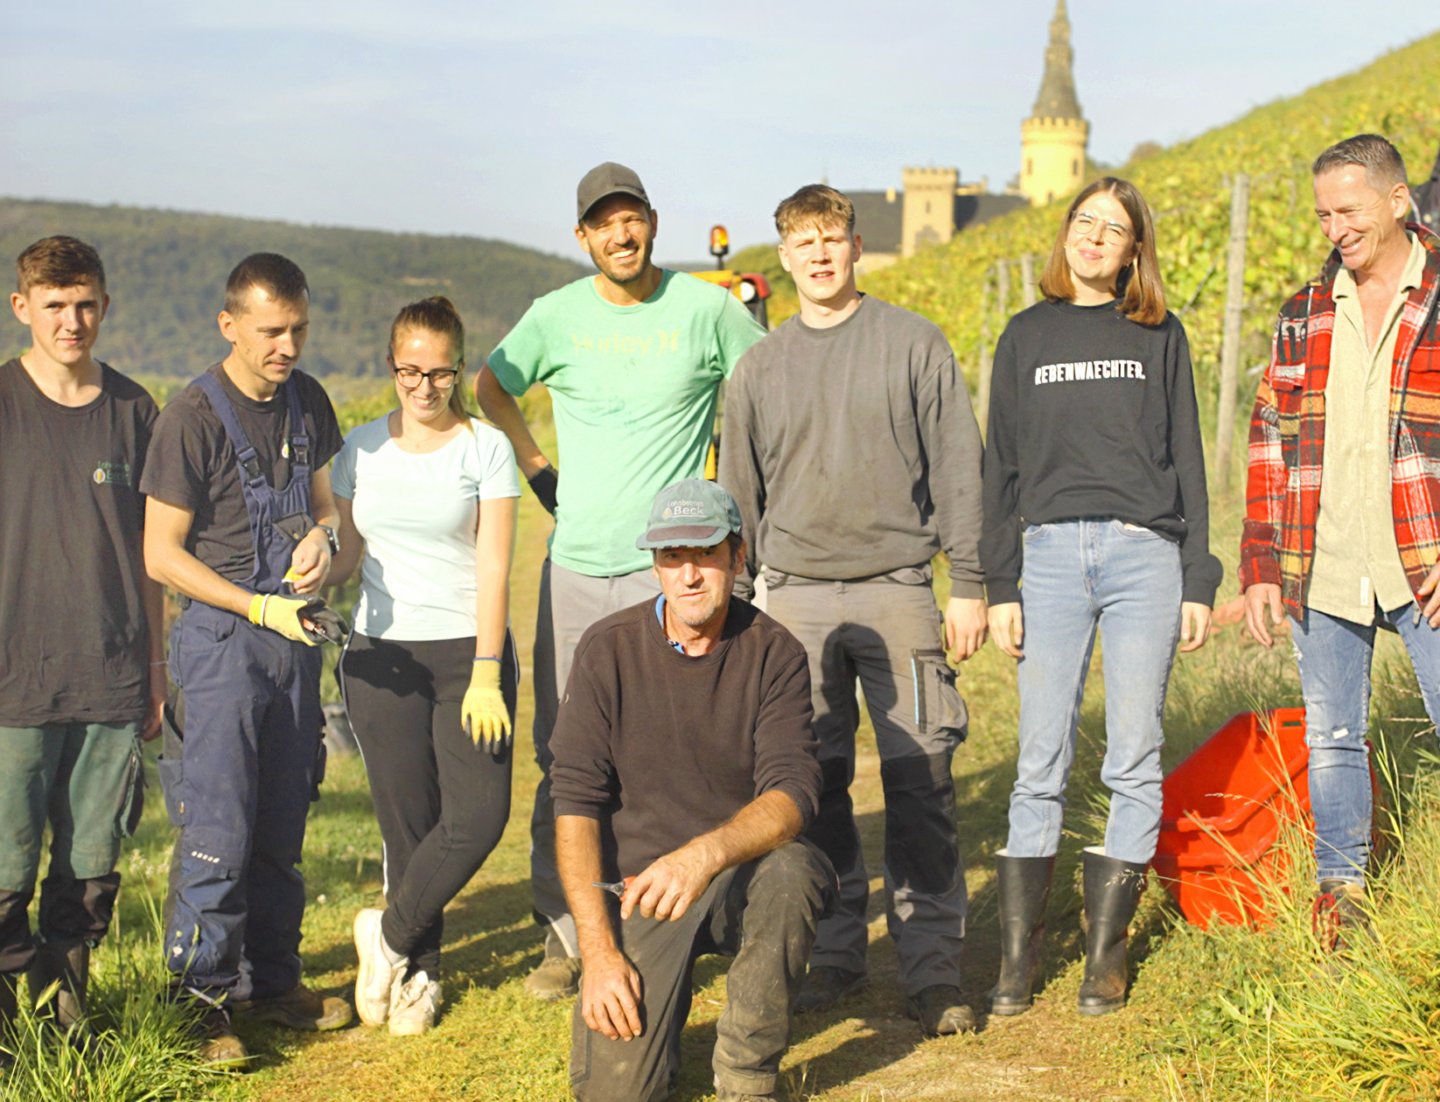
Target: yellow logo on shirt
116, 474
615, 344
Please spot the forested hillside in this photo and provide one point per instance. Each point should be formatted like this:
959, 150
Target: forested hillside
167, 272
1188, 187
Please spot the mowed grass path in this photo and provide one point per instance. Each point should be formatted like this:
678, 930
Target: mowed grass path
493, 1042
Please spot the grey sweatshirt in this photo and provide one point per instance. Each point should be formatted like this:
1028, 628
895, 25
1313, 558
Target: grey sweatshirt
853, 451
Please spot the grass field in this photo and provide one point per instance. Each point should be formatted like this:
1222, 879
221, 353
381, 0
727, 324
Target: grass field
1204, 1023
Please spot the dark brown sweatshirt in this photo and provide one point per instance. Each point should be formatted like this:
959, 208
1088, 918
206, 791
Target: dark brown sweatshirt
662, 747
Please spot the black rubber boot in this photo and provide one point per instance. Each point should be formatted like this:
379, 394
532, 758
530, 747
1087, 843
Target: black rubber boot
68, 963
9, 1007
1024, 889
1112, 892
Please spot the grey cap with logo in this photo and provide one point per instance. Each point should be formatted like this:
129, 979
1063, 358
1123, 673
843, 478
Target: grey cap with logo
692, 513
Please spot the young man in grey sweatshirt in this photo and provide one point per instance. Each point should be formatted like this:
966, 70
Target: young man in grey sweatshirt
852, 449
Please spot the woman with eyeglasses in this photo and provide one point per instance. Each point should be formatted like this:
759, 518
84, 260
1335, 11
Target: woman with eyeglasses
1096, 515
427, 498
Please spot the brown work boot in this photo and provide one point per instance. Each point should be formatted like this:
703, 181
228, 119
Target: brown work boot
940, 1009
219, 1047
1341, 916
556, 978
825, 985
299, 1008
725, 1094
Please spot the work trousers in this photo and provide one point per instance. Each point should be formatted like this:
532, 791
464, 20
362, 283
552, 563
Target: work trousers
441, 800
569, 604
1334, 659
242, 761
85, 780
885, 633
764, 915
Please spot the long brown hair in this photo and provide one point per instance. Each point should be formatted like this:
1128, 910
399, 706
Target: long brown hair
1139, 290
437, 315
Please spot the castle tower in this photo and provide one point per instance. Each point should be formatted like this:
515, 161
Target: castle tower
1054, 138
928, 215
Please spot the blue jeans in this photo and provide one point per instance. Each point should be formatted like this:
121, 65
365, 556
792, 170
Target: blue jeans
1127, 580
1334, 659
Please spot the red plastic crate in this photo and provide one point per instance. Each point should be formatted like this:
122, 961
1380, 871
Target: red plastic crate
1223, 810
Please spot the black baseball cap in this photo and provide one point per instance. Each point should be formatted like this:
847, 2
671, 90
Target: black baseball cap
607, 179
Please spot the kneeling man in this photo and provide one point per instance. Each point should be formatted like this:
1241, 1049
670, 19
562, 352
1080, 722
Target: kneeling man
685, 769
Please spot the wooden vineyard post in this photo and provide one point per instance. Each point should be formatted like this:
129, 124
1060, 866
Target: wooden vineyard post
982, 394
1002, 289
1027, 280
1234, 313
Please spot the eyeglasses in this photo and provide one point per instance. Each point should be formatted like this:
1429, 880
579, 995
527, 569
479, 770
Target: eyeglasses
442, 378
1084, 224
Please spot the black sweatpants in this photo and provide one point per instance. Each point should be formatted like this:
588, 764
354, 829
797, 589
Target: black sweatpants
442, 803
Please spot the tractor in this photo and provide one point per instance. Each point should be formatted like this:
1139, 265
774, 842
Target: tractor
751, 288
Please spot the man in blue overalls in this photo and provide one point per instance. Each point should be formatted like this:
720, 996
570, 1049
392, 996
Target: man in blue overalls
240, 522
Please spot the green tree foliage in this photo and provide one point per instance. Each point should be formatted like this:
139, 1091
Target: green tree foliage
1187, 186
167, 271
765, 260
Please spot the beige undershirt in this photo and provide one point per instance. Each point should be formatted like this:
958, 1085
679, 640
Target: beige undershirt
1357, 561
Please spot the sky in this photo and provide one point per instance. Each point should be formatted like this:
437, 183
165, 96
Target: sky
454, 117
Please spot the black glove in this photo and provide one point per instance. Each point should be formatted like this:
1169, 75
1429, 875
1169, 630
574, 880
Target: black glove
545, 482
323, 624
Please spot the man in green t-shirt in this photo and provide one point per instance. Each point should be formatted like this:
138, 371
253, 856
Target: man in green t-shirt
633, 357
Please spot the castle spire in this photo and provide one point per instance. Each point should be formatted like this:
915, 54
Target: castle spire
1057, 90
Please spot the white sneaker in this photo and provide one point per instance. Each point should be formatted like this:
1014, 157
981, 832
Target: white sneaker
413, 1008
379, 970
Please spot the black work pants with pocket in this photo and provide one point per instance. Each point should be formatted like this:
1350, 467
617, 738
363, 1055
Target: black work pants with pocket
887, 634
764, 914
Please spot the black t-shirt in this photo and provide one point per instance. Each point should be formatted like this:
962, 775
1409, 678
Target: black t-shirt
1093, 415
193, 466
74, 644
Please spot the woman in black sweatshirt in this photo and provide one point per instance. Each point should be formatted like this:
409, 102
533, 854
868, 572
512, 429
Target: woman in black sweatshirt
1094, 494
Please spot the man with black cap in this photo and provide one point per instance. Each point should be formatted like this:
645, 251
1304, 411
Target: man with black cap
684, 770
632, 357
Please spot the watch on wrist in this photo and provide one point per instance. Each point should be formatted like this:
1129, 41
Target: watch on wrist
331, 538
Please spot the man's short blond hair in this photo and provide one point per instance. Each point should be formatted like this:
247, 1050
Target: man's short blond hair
814, 205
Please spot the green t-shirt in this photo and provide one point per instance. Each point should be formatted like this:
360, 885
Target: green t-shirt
633, 388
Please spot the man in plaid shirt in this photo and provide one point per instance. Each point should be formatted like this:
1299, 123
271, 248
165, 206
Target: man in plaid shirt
1342, 523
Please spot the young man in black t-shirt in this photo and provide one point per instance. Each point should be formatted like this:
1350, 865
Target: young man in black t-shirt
240, 521
82, 676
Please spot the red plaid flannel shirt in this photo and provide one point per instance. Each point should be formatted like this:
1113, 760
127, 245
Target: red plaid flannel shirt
1287, 435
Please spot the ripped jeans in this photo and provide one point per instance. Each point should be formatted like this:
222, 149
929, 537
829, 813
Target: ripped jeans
1334, 660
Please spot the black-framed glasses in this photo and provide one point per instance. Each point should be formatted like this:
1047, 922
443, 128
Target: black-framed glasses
1084, 223
441, 378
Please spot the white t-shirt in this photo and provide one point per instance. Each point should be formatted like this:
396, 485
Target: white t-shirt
418, 516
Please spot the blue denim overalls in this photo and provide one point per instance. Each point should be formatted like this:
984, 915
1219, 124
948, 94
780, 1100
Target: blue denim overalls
241, 787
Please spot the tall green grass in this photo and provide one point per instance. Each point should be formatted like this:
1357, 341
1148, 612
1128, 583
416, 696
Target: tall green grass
140, 1048
1270, 1013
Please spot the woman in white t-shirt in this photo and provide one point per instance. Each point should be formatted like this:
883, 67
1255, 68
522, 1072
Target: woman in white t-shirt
427, 498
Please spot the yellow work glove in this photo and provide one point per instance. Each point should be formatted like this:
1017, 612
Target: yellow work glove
282, 615
483, 713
